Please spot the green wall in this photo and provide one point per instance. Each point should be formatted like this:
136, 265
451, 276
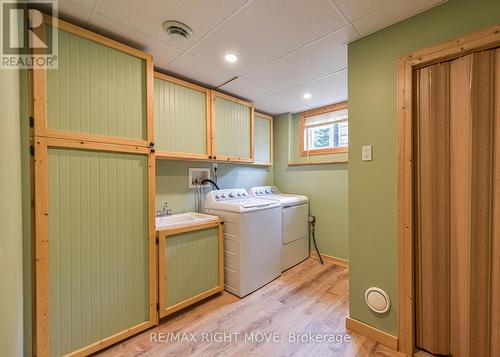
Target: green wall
11, 253
172, 181
372, 120
325, 185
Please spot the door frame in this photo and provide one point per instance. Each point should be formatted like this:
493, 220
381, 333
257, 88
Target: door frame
480, 40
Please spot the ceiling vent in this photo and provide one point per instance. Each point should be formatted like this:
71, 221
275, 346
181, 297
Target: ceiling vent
177, 32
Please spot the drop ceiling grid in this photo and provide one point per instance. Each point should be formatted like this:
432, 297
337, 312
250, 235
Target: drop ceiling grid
285, 47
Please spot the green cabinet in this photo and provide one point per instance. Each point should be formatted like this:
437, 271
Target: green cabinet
101, 91
263, 139
181, 118
190, 265
232, 125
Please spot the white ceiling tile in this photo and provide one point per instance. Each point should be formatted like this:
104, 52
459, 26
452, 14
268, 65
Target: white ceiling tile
246, 89
274, 104
334, 85
148, 16
355, 9
162, 52
297, 109
265, 30
325, 56
69, 11
195, 68
398, 11
327, 101
89, 4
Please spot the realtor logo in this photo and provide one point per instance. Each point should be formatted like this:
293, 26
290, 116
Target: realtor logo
27, 41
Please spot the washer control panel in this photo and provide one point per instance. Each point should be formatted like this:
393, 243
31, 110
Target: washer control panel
265, 190
231, 194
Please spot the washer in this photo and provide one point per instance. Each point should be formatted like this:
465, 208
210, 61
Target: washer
295, 223
252, 238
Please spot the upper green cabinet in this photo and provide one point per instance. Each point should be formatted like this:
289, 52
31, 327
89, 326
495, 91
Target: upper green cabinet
181, 118
232, 126
263, 139
101, 90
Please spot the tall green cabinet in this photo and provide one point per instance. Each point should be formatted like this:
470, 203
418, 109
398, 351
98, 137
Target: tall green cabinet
95, 249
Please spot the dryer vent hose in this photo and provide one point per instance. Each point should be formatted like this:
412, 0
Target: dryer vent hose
312, 225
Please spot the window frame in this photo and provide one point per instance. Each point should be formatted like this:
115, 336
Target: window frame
319, 111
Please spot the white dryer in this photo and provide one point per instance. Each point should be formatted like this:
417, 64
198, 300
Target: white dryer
295, 224
252, 238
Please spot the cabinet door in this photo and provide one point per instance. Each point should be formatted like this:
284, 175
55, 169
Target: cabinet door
263, 139
101, 90
190, 265
95, 248
232, 125
181, 115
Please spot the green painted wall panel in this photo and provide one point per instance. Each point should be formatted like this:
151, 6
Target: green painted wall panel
98, 247
232, 129
191, 264
180, 118
262, 139
372, 111
96, 90
325, 185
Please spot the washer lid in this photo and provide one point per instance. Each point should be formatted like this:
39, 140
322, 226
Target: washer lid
287, 200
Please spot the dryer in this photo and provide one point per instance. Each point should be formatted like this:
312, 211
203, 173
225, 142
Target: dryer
252, 238
295, 224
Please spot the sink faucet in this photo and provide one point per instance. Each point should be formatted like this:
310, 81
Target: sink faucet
165, 211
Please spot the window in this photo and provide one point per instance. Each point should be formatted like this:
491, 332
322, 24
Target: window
324, 130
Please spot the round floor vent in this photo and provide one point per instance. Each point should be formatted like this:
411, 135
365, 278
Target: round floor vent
377, 300
177, 32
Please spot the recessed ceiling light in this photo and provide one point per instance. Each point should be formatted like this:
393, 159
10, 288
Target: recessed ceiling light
231, 58
307, 96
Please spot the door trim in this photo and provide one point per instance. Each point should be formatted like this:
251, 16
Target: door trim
476, 41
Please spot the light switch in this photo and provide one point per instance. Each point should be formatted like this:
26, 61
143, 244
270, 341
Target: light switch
366, 153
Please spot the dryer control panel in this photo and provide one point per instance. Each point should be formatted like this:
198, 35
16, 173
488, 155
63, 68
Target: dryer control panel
265, 190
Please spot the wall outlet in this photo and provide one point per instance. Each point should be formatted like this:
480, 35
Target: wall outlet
198, 175
366, 153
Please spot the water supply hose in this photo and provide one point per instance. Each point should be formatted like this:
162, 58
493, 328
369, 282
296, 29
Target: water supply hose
312, 224
213, 183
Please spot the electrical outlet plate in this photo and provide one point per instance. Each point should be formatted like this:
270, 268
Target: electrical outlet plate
366, 153
198, 173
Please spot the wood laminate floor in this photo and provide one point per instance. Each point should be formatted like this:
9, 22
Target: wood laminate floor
307, 301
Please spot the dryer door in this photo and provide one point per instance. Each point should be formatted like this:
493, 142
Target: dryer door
295, 224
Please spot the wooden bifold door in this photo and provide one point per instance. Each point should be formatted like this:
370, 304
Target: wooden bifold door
457, 206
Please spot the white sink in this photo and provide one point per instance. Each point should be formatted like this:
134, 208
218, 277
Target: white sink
183, 219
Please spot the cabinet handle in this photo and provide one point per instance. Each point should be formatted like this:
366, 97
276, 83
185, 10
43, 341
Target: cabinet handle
151, 144
152, 151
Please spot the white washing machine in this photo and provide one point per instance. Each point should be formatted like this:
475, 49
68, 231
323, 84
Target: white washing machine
252, 238
295, 224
